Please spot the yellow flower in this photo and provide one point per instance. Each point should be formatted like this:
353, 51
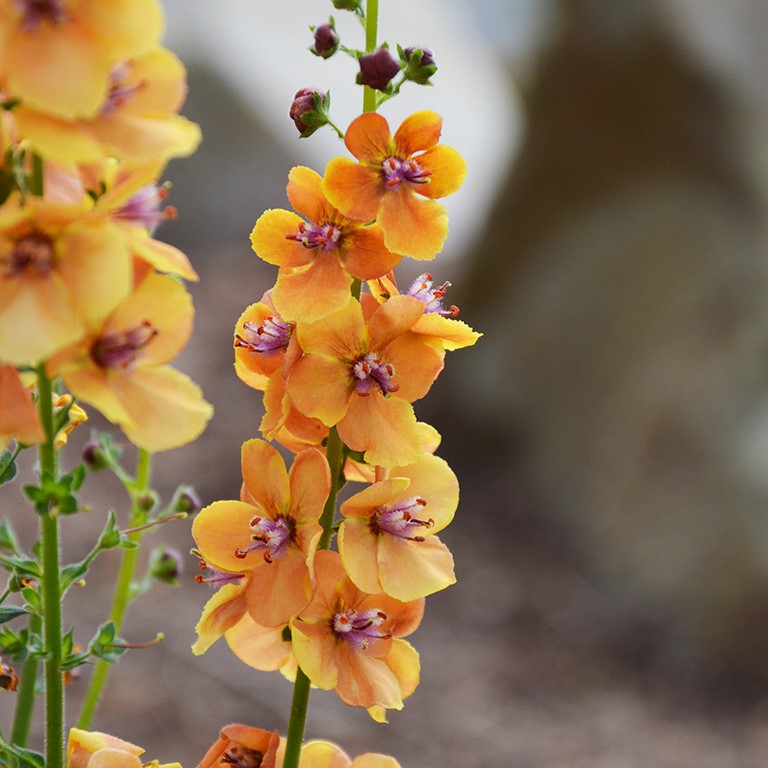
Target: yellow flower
92, 749
120, 367
57, 54
61, 270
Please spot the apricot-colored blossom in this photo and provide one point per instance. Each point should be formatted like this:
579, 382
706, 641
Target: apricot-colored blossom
76, 417
437, 321
120, 367
18, 415
57, 55
137, 120
242, 746
350, 641
136, 204
397, 180
387, 541
325, 754
363, 377
271, 533
61, 270
92, 749
318, 257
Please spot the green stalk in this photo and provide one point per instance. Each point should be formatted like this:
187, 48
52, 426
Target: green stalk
122, 595
25, 698
51, 588
371, 33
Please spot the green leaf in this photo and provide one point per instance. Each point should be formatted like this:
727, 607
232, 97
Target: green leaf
7, 466
13, 756
8, 542
8, 612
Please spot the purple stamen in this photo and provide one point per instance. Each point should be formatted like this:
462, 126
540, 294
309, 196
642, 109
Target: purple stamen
311, 235
358, 629
400, 519
144, 207
369, 371
242, 757
272, 537
271, 336
118, 351
423, 290
35, 12
394, 170
32, 254
119, 92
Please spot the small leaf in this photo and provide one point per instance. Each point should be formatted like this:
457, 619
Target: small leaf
8, 612
7, 467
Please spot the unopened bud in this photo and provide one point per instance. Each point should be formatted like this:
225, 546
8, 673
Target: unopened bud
147, 501
165, 565
93, 456
326, 40
377, 69
419, 64
186, 500
309, 110
347, 5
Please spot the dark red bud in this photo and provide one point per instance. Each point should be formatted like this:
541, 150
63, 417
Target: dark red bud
377, 69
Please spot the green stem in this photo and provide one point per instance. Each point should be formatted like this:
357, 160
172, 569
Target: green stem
371, 33
25, 701
335, 454
51, 588
295, 735
36, 184
122, 595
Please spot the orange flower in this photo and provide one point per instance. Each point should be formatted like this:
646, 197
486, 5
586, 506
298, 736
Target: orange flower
319, 257
363, 377
387, 541
393, 177
61, 269
18, 416
137, 120
325, 754
120, 367
271, 534
57, 55
92, 749
437, 321
242, 746
349, 641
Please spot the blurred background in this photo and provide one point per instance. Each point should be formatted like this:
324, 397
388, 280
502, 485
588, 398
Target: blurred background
610, 430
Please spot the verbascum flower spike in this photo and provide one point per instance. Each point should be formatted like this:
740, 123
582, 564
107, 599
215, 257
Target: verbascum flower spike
396, 180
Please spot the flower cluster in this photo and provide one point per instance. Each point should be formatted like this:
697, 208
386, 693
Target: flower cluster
340, 369
90, 118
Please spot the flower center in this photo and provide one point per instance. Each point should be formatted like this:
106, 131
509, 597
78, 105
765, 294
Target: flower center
272, 335
35, 12
423, 290
242, 757
119, 91
272, 537
359, 628
370, 371
394, 170
119, 350
213, 577
145, 207
311, 235
401, 519
32, 254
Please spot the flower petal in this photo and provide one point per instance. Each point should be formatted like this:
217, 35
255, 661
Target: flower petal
265, 477
418, 132
221, 528
449, 169
368, 138
305, 193
222, 611
413, 569
355, 190
412, 226
364, 254
359, 552
270, 243
262, 648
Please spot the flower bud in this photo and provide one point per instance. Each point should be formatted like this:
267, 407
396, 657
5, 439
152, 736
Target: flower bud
326, 40
93, 456
309, 110
147, 500
419, 64
186, 500
347, 5
377, 69
165, 565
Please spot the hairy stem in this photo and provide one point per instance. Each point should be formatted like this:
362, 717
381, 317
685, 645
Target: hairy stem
122, 595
